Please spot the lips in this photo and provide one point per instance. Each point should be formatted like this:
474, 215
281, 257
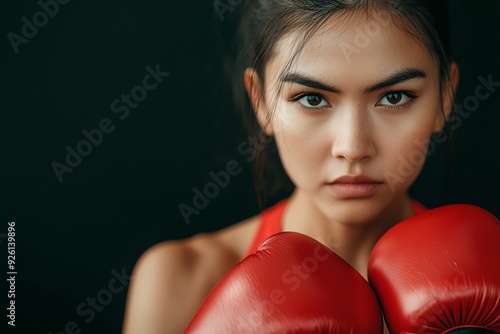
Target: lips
348, 179
357, 186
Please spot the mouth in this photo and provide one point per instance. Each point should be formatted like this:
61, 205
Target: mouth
357, 186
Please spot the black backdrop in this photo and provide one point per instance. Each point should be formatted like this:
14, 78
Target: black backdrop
74, 236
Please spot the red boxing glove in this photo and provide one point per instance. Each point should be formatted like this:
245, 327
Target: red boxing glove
292, 284
439, 271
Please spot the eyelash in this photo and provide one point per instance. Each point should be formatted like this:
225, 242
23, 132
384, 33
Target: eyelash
411, 99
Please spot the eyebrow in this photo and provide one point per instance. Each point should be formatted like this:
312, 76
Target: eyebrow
393, 79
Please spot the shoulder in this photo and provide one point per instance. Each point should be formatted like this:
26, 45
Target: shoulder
223, 247
213, 250
171, 279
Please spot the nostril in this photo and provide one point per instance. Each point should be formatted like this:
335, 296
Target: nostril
354, 152
353, 159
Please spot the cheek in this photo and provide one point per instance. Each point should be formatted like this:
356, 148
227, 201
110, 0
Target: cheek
406, 151
301, 146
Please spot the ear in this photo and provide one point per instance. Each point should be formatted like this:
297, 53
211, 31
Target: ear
254, 90
449, 90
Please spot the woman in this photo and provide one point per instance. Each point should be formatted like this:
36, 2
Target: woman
351, 92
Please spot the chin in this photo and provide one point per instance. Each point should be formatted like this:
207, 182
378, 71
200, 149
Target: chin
354, 211
353, 218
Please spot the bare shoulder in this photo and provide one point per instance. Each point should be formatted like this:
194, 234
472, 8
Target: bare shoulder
171, 279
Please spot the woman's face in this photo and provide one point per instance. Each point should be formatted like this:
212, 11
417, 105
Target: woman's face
359, 103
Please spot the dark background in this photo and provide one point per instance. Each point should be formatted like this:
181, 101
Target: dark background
124, 196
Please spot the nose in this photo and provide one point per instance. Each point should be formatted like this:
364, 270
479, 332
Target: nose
353, 139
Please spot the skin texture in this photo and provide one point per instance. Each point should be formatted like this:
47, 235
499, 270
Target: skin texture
352, 133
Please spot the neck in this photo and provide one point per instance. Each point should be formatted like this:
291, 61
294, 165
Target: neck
352, 242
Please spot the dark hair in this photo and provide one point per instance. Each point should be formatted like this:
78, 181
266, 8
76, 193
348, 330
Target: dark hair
265, 22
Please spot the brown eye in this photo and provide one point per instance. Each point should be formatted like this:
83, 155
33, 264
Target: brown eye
312, 101
394, 98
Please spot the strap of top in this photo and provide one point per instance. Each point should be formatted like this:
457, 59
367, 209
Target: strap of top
271, 218
269, 224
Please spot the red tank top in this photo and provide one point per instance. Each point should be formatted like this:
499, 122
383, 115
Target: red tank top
270, 222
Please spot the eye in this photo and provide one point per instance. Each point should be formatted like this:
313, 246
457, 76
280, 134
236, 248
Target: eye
310, 100
396, 99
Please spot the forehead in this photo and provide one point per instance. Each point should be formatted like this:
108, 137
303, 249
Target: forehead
354, 48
